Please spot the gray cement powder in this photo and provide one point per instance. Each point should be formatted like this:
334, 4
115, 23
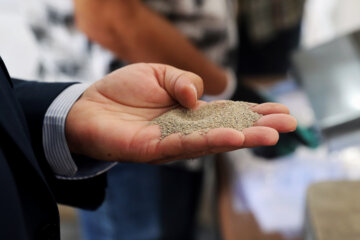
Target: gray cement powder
225, 114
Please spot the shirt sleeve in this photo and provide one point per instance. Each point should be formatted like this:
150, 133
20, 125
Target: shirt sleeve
55, 145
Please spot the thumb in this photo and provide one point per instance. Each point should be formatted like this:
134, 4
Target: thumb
185, 87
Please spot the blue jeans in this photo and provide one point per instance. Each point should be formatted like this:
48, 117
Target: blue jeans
145, 202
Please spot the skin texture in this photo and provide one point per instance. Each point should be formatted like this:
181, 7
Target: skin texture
110, 121
135, 34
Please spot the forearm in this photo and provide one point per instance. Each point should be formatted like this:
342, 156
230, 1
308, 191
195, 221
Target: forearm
144, 36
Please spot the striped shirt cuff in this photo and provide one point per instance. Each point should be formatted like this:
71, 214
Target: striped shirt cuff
54, 141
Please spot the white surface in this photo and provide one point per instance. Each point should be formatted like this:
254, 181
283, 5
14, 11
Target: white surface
17, 44
327, 19
23, 54
275, 191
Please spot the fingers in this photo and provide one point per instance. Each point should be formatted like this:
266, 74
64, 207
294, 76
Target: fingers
260, 136
265, 132
280, 122
185, 87
224, 137
195, 155
177, 146
269, 108
276, 116
215, 141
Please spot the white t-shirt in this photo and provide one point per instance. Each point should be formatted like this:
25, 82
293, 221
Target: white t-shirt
67, 55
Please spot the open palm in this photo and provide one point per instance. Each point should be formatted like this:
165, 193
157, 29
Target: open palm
111, 119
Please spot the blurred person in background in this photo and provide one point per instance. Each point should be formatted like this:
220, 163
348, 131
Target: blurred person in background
268, 32
199, 36
146, 202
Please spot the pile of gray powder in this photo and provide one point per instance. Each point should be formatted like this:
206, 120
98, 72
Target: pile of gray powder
224, 114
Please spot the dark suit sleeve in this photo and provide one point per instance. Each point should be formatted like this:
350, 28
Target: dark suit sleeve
35, 98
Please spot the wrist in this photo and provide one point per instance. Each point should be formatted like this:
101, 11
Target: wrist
228, 91
215, 80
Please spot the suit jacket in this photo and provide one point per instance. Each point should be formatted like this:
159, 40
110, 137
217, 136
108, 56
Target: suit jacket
29, 191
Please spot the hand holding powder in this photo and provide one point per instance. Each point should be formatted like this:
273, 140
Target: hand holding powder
224, 114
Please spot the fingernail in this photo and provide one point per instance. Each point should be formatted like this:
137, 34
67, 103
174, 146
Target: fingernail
195, 91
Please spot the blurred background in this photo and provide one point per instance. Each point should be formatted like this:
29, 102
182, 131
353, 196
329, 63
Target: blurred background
307, 59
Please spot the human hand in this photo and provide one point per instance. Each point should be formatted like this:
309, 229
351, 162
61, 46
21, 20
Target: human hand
111, 119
